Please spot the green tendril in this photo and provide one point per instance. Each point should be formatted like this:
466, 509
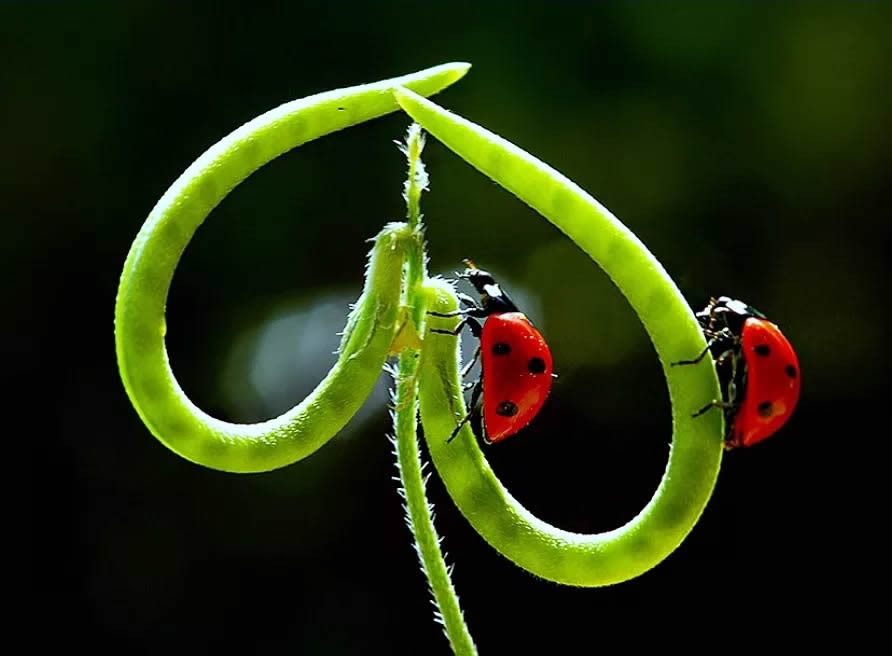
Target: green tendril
419, 512
149, 268
696, 449
390, 318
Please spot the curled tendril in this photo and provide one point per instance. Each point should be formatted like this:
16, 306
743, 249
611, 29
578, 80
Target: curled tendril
695, 455
149, 268
385, 321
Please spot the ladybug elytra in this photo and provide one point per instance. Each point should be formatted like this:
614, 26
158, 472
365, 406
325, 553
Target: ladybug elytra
516, 361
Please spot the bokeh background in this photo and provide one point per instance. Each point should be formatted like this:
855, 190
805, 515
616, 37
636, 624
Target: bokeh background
747, 145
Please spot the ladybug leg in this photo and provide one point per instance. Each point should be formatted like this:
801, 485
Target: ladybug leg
460, 424
706, 315
473, 311
722, 314
730, 390
724, 356
454, 313
470, 322
471, 308
467, 301
440, 331
715, 337
724, 405
467, 368
699, 357
475, 398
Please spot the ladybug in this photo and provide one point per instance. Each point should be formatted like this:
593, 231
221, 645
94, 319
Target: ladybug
516, 361
757, 366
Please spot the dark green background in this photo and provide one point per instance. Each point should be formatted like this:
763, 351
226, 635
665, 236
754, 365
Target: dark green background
747, 145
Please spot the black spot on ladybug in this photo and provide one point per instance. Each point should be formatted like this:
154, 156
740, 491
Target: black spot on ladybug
506, 409
766, 409
791, 371
501, 348
536, 365
763, 349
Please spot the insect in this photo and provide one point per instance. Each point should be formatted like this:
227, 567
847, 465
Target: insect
757, 367
516, 361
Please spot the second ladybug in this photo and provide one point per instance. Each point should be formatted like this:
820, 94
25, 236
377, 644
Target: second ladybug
516, 361
757, 367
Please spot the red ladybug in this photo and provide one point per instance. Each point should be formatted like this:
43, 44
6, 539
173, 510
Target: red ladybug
517, 364
757, 367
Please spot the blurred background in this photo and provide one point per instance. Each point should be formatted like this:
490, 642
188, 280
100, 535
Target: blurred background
747, 145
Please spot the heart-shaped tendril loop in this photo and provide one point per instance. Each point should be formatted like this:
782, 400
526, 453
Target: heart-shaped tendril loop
156, 251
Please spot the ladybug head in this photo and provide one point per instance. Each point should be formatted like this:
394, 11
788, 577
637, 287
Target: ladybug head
491, 295
726, 304
729, 311
478, 277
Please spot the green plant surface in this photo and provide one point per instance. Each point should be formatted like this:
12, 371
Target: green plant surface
419, 511
390, 318
156, 251
696, 449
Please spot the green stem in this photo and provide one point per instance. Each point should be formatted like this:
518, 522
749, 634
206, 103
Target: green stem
419, 513
149, 268
695, 454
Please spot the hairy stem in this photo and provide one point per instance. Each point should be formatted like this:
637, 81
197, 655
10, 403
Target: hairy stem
419, 513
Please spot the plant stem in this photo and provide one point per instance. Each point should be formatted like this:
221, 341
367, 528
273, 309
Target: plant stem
419, 513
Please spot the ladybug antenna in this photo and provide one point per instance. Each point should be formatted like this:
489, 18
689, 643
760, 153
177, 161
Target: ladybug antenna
471, 267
